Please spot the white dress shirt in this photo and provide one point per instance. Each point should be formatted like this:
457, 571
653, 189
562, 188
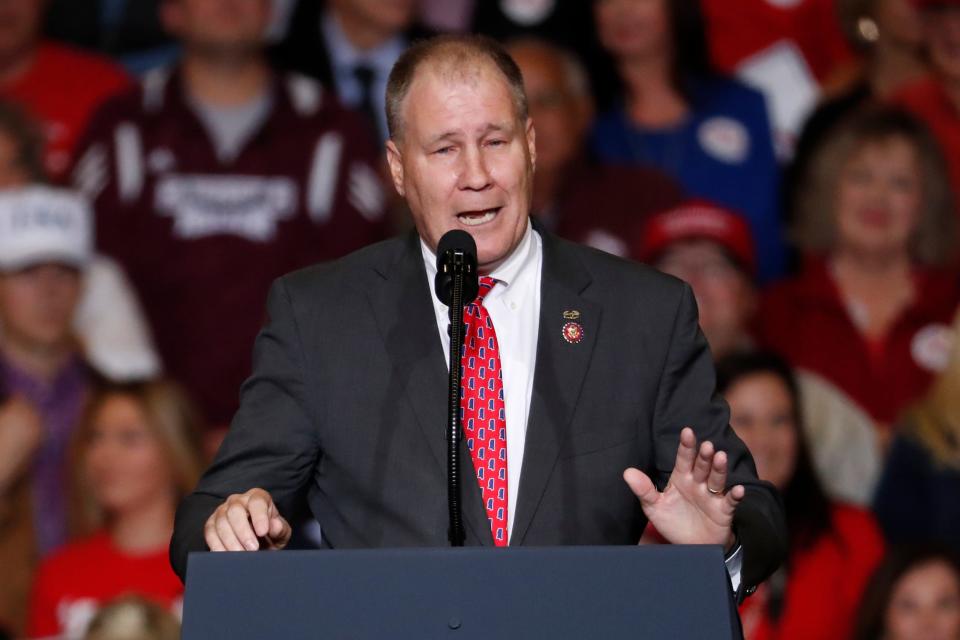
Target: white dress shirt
514, 308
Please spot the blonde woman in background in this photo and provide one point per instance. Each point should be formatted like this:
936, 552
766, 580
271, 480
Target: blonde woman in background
136, 454
918, 499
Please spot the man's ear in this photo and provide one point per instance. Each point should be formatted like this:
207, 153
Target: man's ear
395, 160
532, 143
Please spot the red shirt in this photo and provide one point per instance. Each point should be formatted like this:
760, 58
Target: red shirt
82, 576
927, 100
61, 89
736, 34
824, 583
806, 320
202, 238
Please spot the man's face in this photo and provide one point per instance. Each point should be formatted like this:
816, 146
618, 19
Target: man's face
560, 115
725, 296
37, 304
218, 26
464, 160
19, 25
387, 17
942, 28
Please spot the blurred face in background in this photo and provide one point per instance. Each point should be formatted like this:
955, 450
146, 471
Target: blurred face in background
220, 28
942, 29
385, 17
763, 414
37, 305
725, 295
464, 159
125, 463
632, 29
925, 604
879, 198
19, 27
559, 111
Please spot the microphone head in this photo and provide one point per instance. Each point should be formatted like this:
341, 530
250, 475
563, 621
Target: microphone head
456, 251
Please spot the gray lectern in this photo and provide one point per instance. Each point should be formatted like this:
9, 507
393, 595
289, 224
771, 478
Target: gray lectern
560, 592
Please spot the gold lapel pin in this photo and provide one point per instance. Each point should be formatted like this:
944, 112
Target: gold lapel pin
571, 314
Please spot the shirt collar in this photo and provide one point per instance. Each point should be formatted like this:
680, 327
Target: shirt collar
344, 57
520, 260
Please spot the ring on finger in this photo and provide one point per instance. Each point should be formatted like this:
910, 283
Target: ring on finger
715, 492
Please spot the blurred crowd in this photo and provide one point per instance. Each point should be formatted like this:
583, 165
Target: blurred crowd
797, 162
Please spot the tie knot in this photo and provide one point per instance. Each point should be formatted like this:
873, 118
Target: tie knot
486, 284
364, 75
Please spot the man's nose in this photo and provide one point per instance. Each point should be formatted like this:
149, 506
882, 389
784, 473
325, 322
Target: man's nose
474, 174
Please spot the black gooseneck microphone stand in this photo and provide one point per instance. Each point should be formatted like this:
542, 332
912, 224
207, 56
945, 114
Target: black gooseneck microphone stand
456, 285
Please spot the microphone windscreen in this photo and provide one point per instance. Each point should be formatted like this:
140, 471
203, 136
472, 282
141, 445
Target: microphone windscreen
455, 242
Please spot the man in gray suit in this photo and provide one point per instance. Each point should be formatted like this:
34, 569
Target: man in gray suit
607, 382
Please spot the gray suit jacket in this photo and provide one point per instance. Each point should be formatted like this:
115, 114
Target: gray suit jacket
348, 394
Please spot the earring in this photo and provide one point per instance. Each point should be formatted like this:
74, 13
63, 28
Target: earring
868, 30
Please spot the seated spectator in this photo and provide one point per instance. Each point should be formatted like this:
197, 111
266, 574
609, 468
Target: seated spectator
136, 453
44, 246
710, 248
936, 99
350, 46
918, 499
215, 177
573, 194
890, 36
870, 307
39, 74
833, 547
133, 618
707, 131
109, 321
129, 31
793, 52
914, 595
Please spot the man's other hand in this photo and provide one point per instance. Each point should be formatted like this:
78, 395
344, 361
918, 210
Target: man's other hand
243, 520
695, 507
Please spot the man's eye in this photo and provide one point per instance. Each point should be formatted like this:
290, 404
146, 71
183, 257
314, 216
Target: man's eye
444, 151
496, 143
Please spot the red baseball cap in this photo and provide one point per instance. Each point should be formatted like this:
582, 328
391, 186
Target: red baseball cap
697, 219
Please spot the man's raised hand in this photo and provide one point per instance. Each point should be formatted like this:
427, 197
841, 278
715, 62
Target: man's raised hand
695, 507
242, 519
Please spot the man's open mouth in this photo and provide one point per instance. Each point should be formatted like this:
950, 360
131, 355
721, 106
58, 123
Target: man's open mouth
475, 218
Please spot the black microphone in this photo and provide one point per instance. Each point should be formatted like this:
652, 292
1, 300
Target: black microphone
456, 285
456, 253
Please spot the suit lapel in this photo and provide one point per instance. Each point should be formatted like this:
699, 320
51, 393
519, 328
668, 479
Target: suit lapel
558, 374
403, 305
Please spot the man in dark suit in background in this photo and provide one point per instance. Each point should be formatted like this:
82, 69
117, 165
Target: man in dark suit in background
350, 47
600, 381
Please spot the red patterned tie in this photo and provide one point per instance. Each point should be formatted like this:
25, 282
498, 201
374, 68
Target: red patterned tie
482, 411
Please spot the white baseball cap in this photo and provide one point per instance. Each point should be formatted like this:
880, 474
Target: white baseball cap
40, 224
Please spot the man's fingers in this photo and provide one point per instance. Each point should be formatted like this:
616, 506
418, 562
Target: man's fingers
704, 462
238, 518
642, 487
225, 532
260, 507
717, 480
733, 498
210, 535
687, 451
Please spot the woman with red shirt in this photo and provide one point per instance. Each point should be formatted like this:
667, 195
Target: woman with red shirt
137, 453
870, 310
833, 547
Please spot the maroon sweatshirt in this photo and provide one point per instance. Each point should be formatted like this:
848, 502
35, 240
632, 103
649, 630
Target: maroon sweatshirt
202, 239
